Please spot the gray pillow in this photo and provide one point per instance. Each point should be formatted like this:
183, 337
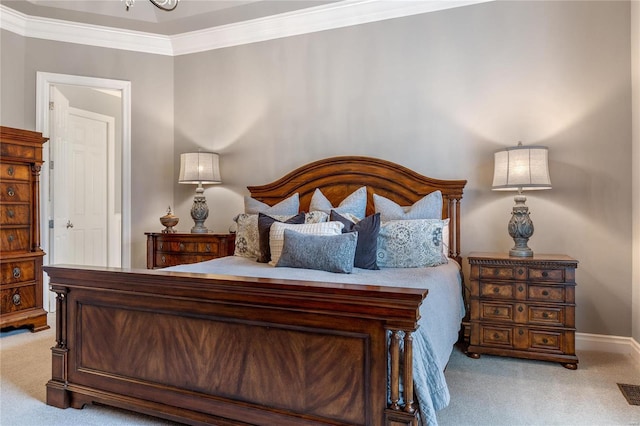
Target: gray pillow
288, 206
428, 207
355, 203
331, 253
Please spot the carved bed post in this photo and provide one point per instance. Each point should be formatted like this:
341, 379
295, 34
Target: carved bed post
57, 394
396, 414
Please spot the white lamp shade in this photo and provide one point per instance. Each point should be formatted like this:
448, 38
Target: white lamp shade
199, 167
521, 168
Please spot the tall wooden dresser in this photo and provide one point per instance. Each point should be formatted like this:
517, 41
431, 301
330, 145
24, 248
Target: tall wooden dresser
20, 252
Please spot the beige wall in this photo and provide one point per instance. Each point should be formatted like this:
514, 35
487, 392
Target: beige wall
152, 81
635, 57
437, 93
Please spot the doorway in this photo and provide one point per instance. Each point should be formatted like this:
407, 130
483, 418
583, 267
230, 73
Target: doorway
84, 222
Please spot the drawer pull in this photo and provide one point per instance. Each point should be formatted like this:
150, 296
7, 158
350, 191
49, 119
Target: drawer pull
16, 299
11, 214
545, 315
161, 246
496, 311
520, 271
520, 309
520, 332
496, 336
496, 290
207, 248
11, 238
496, 272
545, 274
545, 293
520, 288
10, 171
181, 246
545, 340
16, 272
10, 192
164, 260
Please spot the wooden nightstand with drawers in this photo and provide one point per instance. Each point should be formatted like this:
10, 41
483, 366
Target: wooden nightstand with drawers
523, 307
176, 249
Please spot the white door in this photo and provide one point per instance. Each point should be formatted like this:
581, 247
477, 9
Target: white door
79, 187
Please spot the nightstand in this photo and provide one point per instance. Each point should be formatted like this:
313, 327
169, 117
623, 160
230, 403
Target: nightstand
176, 249
523, 307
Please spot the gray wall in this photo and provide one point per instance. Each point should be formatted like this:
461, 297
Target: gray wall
152, 81
437, 93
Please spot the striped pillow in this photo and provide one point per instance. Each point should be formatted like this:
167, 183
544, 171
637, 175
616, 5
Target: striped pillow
276, 234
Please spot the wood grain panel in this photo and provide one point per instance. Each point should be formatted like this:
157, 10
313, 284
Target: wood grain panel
287, 368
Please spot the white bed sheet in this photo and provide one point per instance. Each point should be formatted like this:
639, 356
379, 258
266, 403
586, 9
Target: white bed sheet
441, 312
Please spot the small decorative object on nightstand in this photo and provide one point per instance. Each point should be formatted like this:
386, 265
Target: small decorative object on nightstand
170, 249
169, 221
523, 307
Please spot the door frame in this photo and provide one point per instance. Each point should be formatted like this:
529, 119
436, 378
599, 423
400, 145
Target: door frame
44, 81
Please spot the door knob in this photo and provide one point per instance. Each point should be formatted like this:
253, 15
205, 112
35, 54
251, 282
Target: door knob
69, 224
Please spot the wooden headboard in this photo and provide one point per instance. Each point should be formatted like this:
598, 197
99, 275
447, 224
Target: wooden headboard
337, 177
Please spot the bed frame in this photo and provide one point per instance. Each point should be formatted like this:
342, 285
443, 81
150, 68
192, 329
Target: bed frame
228, 350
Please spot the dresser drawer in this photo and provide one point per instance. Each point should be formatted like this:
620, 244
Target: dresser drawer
165, 259
15, 192
14, 239
547, 315
494, 311
210, 248
502, 290
15, 171
495, 272
17, 271
15, 214
552, 275
546, 293
496, 336
18, 298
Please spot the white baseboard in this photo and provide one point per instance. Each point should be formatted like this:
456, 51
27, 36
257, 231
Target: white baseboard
603, 343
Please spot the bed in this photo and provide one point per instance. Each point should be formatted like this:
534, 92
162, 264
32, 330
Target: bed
235, 342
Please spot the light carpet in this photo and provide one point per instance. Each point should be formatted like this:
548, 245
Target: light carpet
487, 391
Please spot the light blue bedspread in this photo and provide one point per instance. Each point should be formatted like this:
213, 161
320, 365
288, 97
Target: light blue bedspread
441, 313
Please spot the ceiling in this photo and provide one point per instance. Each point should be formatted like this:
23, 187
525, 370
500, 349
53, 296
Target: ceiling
189, 15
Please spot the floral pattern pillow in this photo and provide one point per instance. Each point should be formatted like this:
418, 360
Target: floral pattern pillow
410, 243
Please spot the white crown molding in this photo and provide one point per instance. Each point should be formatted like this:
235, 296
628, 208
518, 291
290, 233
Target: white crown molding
321, 18
92, 35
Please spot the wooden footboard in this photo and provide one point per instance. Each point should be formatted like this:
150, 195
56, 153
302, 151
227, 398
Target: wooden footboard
211, 349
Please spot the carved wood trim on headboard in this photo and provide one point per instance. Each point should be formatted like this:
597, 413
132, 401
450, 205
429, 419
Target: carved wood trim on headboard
337, 177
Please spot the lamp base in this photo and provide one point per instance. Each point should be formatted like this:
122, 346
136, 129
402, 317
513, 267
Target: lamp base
520, 228
199, 213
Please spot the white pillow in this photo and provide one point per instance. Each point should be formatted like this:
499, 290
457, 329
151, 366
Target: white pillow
355, 203
276, 234
428, 207
288, 206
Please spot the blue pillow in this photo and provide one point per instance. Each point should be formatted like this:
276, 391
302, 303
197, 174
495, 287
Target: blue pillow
428, 207
367, 229
331, 253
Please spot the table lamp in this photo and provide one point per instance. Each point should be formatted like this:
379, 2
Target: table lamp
521, 168
199, 168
